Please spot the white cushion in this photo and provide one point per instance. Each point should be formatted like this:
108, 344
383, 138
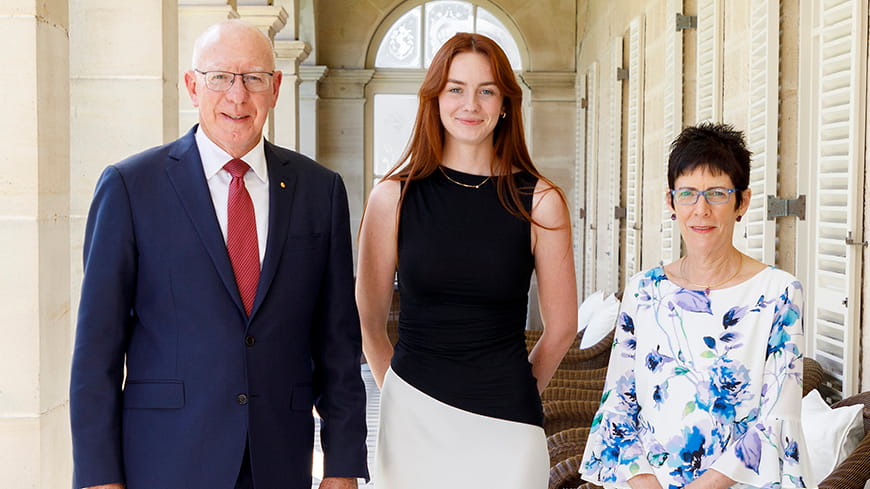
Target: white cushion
602, 322
830, 434
587, 308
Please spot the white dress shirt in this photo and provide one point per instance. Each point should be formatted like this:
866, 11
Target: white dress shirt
256, 181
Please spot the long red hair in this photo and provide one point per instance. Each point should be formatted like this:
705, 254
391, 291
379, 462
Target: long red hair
424, 152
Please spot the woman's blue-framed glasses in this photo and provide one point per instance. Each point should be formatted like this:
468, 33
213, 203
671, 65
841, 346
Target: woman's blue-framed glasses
713, 196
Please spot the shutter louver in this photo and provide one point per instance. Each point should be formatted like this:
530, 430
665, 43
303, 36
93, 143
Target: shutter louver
836, 196
709, 94
634, 156
673, 123
758, 236
580, 195
614, 172
591, 260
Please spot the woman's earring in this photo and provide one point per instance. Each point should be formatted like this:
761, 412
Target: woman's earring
503, 115
673, 217
739, 218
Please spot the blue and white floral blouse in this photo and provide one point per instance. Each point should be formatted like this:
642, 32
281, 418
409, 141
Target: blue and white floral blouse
701, 381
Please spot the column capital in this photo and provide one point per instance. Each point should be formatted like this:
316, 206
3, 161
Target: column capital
344, 83
267, 18
293, 51
310, 77
312, 73
550, 85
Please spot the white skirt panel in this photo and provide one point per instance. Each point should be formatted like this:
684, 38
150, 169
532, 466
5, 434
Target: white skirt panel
424, 443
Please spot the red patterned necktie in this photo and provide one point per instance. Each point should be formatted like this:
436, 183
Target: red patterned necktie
242, 234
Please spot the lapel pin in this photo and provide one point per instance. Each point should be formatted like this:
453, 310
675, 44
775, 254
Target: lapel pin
283, 185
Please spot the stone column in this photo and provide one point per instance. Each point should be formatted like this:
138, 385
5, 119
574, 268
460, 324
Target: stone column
291, 51
288, 54
341, 136
194, 17
551, 144
34, 245
310, 77
123, 90
270, 20
123, 98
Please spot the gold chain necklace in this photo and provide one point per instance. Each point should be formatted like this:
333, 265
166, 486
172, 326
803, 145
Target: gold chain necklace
709, 286
463, 184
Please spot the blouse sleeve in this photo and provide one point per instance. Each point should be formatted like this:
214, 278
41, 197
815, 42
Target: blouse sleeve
771, 442
614, 452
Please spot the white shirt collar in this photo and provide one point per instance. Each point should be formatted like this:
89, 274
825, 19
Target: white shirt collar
214, 158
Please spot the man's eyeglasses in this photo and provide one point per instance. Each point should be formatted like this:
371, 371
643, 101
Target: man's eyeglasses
714, 196
221, 81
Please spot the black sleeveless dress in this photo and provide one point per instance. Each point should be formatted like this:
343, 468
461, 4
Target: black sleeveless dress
459, 402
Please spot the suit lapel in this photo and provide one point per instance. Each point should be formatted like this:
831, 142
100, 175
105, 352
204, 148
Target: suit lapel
282, 185
185, 172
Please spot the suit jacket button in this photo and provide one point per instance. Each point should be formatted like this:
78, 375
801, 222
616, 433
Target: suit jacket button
242, 398
249, 340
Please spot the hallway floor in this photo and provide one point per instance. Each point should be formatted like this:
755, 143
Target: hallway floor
373, 399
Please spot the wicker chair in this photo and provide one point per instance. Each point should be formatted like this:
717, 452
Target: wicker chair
594, 357
813, 375
567, 443
566, 474
596, 374
854, 472
533, 335
564, 414
596, 385
570, 394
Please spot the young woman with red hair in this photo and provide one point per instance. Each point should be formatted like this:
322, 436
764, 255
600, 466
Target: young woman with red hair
462, 221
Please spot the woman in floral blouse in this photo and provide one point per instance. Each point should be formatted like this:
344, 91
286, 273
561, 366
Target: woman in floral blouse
704, 384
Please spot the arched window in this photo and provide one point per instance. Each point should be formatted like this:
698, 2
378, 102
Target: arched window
423, 29
403, 54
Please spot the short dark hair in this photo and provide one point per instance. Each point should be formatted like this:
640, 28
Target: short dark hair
716, 146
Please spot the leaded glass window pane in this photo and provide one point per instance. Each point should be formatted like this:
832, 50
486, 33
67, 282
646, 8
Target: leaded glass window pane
404, 42
394, 118
401, 46
443, 20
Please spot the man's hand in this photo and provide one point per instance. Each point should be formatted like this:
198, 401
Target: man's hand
106, 486
339, 483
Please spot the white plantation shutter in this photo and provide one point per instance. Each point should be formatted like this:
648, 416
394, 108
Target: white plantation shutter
836, 194
673, 122
590, 260
757, 236
709, 94
634, 151
612, 246
580, 205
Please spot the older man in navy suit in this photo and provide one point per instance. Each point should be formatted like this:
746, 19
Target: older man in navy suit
218, 274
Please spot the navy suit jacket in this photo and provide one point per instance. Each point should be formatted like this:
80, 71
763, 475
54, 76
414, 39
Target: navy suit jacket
159, 297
